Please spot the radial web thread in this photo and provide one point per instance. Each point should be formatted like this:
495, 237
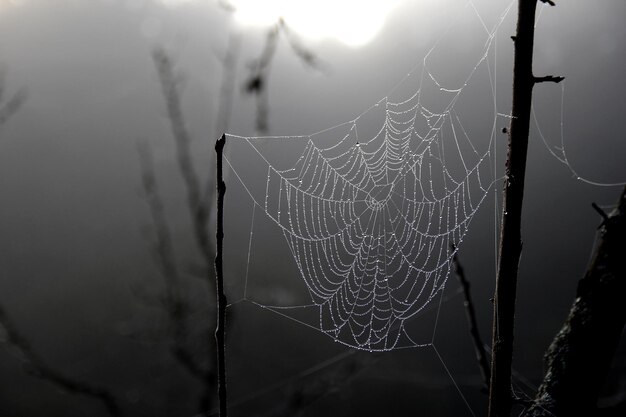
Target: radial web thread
373, 218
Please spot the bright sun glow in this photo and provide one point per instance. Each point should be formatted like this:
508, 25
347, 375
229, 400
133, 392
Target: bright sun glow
6, 3
353, 22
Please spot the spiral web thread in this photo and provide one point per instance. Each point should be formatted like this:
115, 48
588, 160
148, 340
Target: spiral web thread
373, 221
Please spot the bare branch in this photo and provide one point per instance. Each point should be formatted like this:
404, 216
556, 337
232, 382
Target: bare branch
307, 56
164, 250
548, 79
257, 81
602, 213
12, 105
579, 358
175, 303
479, 346
220, 336
199, 203
510, 248
35, 366
259, 75
550, 2
198, 206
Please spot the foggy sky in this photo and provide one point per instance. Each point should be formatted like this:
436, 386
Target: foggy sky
72, 219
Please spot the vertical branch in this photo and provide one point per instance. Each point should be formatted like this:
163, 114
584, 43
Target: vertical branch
500, 398
219, 279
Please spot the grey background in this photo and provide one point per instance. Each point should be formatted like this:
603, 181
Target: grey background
72, 219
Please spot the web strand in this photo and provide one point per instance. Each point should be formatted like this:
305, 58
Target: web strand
560, 154
373, 216
370, 224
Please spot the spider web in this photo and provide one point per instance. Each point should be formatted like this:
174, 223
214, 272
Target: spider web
373, 210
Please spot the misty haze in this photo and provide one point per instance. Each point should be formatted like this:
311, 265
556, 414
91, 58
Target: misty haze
365, 159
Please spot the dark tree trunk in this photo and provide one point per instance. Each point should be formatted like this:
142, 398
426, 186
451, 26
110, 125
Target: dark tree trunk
580, 355
500, 398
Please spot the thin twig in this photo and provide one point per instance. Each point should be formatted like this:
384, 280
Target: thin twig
35, 366
256, 83
198, 205
470, 312
175, 303
548, 79
307, 56
12, 105
602, 213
